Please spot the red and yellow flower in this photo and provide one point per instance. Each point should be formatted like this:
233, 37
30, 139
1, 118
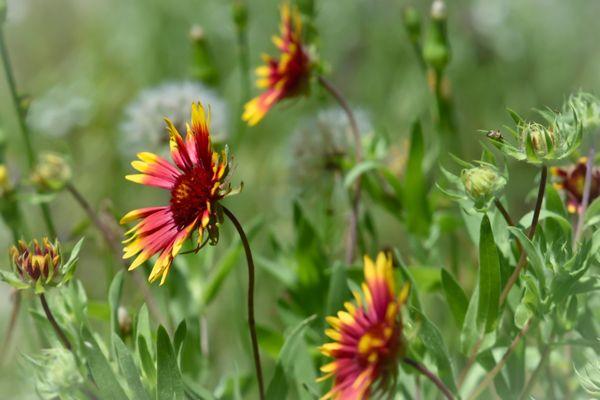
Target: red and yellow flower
196, 182
572, 181
367, 337
285, 77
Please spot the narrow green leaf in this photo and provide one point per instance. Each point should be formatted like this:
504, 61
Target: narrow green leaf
434, 342
114, 296
169, 385
294, 366
129, 369
489, 278
456, 297
418, 216
106, 380
338, 290
179, 337
146, 360
360, 169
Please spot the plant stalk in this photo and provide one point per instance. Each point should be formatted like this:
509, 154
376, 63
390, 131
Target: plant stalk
352, 236
492, 374
251, 321
430, 375
12, 324
6, 64
59, 332
536, 216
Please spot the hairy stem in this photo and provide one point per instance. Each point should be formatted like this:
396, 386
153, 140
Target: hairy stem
498, 367
6, 64
59, 332
536, 216
251, 322
586, 196
508, 219
430, 375
352, 236
12, 324
114, 243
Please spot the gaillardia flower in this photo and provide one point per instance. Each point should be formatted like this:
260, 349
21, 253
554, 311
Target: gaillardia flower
284, 77
572, 181
196, 183
367, 336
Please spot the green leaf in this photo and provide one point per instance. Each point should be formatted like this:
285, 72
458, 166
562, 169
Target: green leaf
68, 269
418, 216
114, 296
294, 366
489, 278
222, 270
338, 290
13, 280
106, 380
169, 385
434, 343
533, 254
146, 360
360, 169
129, 369
179, 337
143, 325
456, 297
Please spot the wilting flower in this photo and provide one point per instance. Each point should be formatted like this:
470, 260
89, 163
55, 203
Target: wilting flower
52, 172
572, 181
39, 264
367, 336
285, 77
143, 125
196, 182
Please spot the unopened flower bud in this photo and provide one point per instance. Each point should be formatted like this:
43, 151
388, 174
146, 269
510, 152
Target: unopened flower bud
5, 183
436, 50
240, 14
36, 261
51, 173
124, 321
203, 66
57, 374
482, 182
538, 139
412, 23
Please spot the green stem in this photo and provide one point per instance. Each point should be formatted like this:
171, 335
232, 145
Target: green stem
536, 216
6, 64
59, 332
352, 237
251, 321
12, 324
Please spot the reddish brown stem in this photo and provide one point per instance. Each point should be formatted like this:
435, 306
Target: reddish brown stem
430, 375
59, 332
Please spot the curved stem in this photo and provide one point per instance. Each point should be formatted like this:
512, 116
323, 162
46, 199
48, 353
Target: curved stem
115, 245
251, 322
355, 201
430, 375
12, 324
586, 196
508, 219
22, 125
536, 216
61, 335
492, 374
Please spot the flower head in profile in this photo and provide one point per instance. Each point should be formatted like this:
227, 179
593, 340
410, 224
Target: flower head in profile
367, 337
572, 181
196, 182
284, 77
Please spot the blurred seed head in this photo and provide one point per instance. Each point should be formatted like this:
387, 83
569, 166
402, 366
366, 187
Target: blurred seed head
125, 322
143, 126
482, 182
412, 23
240, 14
196, 33
56, 374
52, 172
36, 261
438, 10
59, 111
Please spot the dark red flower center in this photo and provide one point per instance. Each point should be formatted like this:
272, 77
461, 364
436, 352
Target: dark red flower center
189, 195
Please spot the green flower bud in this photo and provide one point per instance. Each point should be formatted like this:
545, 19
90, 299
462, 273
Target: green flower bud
587, 109
57, 375
537, 141
482, 182
51, 173
412, 23
436, 50
240, 14
203, 67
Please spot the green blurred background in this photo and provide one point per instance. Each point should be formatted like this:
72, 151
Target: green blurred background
87, 60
